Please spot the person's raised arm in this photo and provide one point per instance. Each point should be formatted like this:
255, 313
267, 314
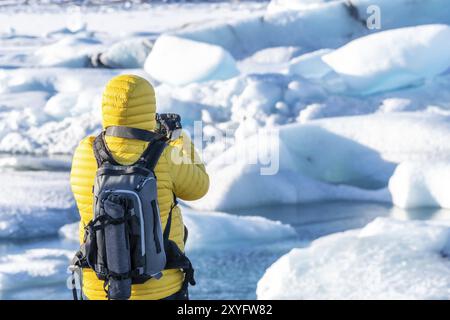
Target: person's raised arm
190, 180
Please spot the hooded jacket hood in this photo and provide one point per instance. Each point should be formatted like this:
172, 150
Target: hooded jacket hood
129, 100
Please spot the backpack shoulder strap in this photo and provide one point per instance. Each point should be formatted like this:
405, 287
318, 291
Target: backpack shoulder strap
101, 151
176, 259
132, 133
152, 154
166, 232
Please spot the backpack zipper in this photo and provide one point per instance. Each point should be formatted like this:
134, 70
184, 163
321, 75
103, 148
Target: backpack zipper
143, 182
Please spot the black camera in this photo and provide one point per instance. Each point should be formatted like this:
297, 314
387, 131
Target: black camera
169, 125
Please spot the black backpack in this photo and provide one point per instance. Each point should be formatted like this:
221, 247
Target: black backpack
124, 243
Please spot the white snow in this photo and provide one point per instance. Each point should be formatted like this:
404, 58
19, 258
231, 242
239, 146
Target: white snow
68, 52
286, 187
310, 65
146, 18
245, 36
180, 61
387, 259
129, 53
275, 55
392, 59
281, 5
66, 104
72, 106
60, 105
67, 108
70, 232
53, 79
215, 229
269, 60
323, 24
284, 81
421, 184
328, 159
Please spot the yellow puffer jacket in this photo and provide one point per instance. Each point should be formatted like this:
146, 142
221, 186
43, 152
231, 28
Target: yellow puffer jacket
130, 101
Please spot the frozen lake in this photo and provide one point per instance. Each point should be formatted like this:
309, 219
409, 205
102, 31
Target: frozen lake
362, 118
233, 272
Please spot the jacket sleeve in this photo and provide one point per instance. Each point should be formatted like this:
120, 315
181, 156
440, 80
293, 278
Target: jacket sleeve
188, 173
82, 178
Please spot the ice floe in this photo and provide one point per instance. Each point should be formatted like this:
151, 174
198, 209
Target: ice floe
329, 159
69, 52
180, 61
392, 59
387, 259
421, 184
129, 53
312, 24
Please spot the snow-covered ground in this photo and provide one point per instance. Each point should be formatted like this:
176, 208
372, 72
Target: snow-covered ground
333, 111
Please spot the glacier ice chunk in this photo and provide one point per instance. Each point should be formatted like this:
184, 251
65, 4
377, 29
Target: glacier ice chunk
129, 53
69, 52
421, 184
282, 5
312, 24
392, 59
341, 158
214, 229
310, 65
179, 61
387, 259
70, 231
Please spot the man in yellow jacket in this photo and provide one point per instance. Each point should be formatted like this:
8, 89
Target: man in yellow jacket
129, 101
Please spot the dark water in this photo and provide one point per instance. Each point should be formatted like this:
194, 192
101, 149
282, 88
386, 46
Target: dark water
233, 272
